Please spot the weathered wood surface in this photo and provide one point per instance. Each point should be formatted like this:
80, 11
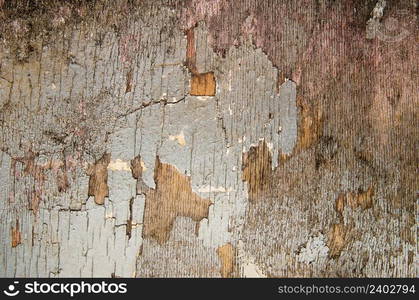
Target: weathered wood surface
208, 138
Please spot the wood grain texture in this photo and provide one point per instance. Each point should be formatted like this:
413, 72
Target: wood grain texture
208, 138
203, 84
98, 181
172, 197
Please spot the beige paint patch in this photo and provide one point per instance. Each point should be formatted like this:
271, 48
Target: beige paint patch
180, 138
214, 189
251, 270
119, 165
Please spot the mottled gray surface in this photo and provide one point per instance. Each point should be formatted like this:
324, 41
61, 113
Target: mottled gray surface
80, 95
123, 90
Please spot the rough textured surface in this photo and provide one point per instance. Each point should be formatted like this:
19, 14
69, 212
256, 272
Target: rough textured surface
208, 138
203, 84
172, 197
98, 182
227, 255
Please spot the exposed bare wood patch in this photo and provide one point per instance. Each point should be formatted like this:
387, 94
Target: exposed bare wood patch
191, 51
16, 236
137, 169
310, 126
31, 169
338, 233
357, 125
98, 181
257, 170
203, 84
227, 256
172, 197
364, 199
340, 203
128, 84
129, 221
336, 239
283, 157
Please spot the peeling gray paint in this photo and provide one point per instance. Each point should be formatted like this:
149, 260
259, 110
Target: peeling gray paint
214, 132
72, 104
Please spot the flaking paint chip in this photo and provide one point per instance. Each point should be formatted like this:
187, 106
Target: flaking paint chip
203, 84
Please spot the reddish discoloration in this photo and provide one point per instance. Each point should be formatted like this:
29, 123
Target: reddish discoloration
62, 180
129, 44
197, 10
327, 54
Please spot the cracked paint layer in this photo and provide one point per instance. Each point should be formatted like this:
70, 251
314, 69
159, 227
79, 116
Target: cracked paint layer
346, 172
